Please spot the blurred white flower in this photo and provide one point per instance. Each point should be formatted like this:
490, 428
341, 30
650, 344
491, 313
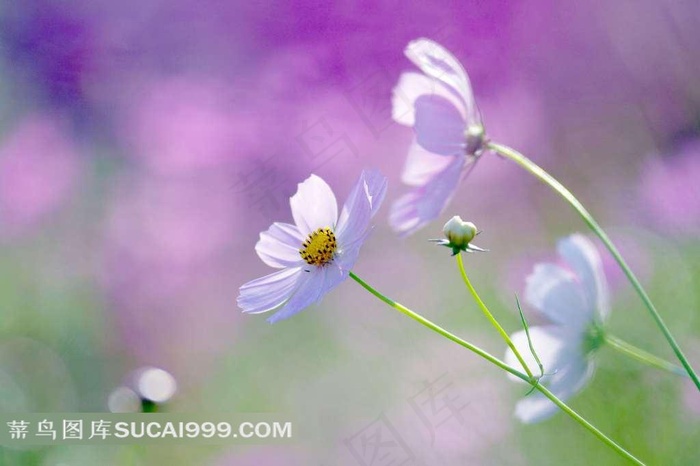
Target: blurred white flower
449, 133
574, 297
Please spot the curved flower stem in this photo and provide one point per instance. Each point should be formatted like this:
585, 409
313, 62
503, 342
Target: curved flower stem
643, 356
494, 360
548, 179
489, 316
436, 328
608, 441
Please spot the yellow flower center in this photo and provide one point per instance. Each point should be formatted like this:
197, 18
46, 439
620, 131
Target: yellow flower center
319, 247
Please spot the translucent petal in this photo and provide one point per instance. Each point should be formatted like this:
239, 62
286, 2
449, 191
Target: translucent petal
314, 206
557, 293
566, 370
425, 203
549, 343
362, 203
435, 61
534, 408
410, 87
570, 380
269, 292
347, 257
421, 165
316, 282
583, 258
279, 246
439, 127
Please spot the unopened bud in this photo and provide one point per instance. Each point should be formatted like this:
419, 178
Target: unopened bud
458, 232
459, 235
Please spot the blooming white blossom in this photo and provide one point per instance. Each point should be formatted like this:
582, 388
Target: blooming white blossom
449, 134
317, 252
574, 298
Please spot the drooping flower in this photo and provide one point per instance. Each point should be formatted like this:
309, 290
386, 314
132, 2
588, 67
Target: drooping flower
449, 134
574, 297
318, 251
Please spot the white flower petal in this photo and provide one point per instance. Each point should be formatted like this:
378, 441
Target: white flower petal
439, 126
279, 246
549, 343
310, 291
425, 203
362, 203
315, 283
435, 61
534, 408
583, 258
571, 379
269, 292
421, 165
346, 258
414, 85
557, 293
314, 206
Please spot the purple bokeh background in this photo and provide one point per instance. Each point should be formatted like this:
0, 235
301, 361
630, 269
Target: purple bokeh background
150, 142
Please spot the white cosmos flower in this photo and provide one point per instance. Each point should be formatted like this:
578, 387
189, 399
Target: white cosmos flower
574, 298
318, 251
449, 134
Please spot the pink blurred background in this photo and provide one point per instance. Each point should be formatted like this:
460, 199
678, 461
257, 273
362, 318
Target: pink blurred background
144, 145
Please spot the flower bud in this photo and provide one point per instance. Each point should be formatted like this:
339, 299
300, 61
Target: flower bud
459, 233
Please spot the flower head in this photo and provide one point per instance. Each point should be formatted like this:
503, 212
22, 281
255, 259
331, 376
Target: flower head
317, 252
449, 134
459, 235
574, 297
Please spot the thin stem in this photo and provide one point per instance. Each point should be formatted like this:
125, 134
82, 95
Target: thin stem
643, 356
436, 328
489, 316
548, 179
526, 327
492, 359
577, 417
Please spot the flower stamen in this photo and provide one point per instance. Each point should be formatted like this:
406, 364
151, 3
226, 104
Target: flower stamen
319, 247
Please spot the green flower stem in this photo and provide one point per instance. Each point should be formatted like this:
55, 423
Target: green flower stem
548, 179
608, 441
436, 328
489, 316
642, 356
492, 359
